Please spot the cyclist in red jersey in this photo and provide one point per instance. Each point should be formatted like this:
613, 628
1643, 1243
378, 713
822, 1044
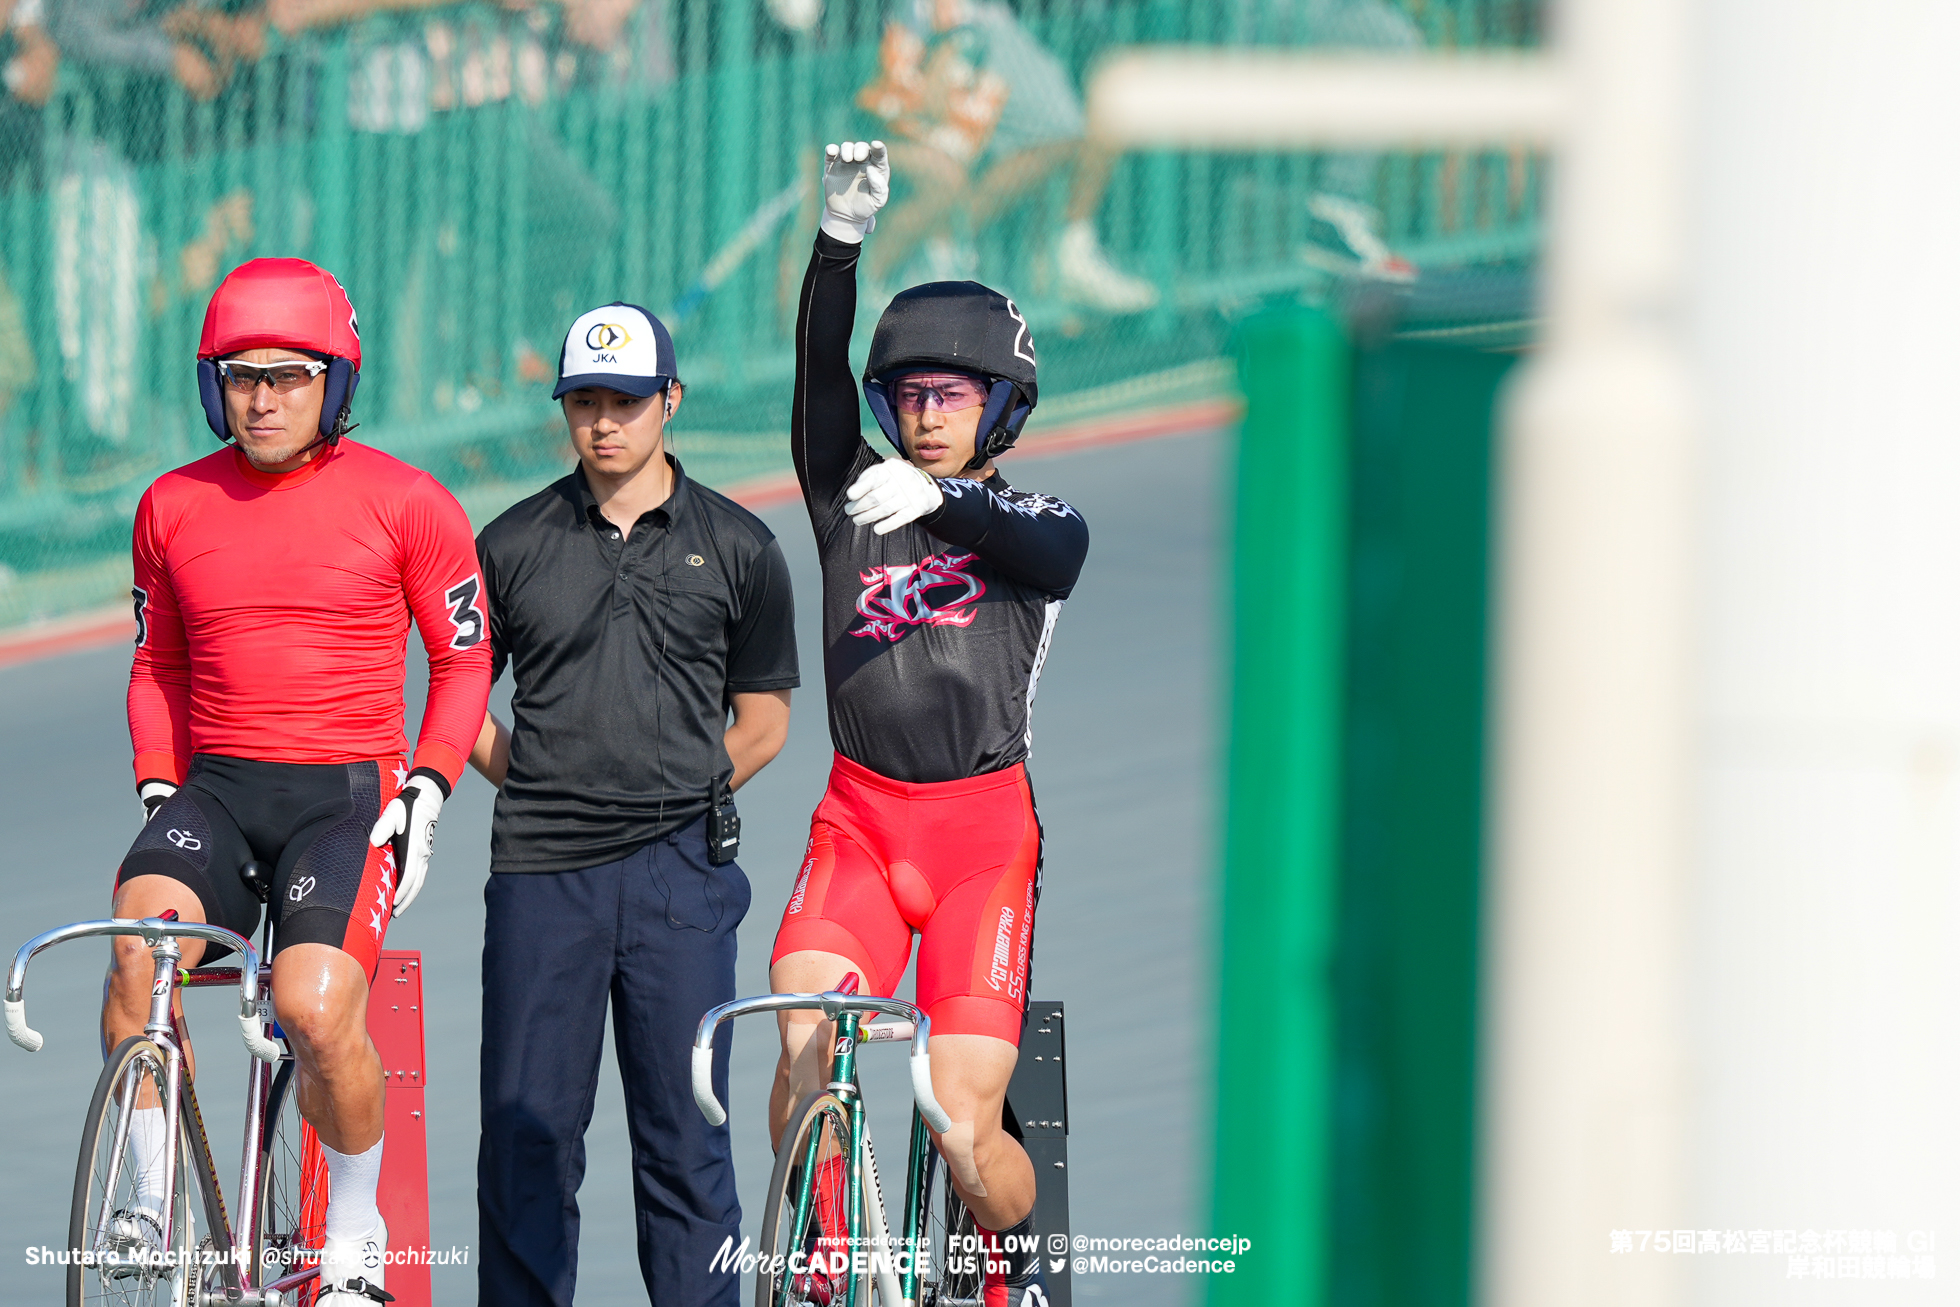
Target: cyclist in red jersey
275, 581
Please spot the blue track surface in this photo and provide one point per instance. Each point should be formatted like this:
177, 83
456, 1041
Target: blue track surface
1124, 739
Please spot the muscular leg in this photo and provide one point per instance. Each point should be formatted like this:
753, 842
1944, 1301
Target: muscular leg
969, 1077
988, 1166
320, 996
126, 1005
804, 1063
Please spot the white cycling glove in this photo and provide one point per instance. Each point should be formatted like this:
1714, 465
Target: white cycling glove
154, 795
410, 822
890, 494
857, 180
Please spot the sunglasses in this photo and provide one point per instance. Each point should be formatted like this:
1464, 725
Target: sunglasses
947, 393
284, 378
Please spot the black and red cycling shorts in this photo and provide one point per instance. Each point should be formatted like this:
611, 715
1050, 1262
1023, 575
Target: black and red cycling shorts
959, 862
307, 823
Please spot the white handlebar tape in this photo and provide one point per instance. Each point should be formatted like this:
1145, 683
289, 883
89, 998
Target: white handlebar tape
704, 1085
929, 1107
17, 1027
262, 1048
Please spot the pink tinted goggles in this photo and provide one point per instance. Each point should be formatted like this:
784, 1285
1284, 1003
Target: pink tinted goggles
949, 392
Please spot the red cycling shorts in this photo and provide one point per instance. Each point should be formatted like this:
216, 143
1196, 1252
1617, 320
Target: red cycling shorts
959, 862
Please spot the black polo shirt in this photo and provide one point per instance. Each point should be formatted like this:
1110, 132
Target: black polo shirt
625, 654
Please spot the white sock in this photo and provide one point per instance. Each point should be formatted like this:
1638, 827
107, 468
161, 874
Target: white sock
351, 1184
148, 1132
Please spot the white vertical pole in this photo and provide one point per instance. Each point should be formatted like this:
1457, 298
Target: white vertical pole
1827, 326
1584, 1041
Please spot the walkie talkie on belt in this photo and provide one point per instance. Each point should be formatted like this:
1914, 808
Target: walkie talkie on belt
724, 823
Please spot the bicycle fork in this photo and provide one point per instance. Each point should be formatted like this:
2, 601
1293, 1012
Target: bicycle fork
866, 1222
918, 1180
161, 1032
258, 1081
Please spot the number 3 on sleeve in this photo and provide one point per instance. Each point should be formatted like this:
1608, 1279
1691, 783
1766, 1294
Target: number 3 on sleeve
465, 613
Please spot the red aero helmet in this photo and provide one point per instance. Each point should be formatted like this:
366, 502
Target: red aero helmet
282, 304
271, 303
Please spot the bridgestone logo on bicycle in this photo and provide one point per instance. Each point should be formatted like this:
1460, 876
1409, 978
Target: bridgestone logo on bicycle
894, 1257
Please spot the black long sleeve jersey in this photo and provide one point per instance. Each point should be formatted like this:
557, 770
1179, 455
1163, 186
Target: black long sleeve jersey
934, 635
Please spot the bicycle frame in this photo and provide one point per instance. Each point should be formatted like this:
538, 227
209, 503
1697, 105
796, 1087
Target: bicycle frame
254, 983
848, 1011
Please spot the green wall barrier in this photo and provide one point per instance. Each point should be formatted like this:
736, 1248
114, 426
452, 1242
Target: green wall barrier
1406, 958
1354, 812
1282, 810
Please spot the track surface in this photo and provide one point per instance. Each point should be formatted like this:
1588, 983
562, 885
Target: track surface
1124, 740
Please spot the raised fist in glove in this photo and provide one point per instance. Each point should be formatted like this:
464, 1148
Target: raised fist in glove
154, 795
857, 180
890, 494
410, 822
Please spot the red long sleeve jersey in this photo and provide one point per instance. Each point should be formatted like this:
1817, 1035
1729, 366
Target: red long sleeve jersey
272, 614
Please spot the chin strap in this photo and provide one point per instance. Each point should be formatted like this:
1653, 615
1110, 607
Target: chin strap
342, 380
995, 435
329, 439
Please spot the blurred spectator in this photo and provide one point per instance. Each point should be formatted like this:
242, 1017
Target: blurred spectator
95, 211
30, 77
228, 38
30, 72
95, 202
1347, 221
196, 48
93, 206
618, 48
979, 114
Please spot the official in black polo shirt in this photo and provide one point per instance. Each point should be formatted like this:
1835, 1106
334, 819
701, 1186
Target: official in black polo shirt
647, 620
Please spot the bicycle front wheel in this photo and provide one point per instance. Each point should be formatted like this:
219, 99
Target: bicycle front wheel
289, 1214
803, 1223
951, 1255
122, 1260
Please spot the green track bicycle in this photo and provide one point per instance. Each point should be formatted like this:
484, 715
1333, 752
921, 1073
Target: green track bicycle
827, 1237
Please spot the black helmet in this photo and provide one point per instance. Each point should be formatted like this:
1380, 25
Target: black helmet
964, 326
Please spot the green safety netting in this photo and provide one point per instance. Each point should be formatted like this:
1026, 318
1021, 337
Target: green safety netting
479, 174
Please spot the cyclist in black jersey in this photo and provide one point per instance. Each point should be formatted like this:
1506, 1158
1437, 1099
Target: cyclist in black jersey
941, 588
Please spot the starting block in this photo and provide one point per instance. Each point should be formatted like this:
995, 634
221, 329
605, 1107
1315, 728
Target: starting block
394, 1022
1036, 1113
395, 1026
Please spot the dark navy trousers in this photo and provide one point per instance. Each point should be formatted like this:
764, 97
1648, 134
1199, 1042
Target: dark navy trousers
654, 935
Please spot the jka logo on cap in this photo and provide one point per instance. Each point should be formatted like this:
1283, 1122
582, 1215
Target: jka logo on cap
606, 335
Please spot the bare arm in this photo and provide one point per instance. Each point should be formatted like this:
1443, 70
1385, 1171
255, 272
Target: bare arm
294, 16
756, 735
754, 738
491, 756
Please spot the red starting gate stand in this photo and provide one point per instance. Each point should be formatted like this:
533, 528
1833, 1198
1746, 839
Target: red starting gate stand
395, 1024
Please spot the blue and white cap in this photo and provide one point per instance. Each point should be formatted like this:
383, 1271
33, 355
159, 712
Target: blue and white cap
619, 346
